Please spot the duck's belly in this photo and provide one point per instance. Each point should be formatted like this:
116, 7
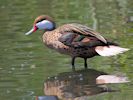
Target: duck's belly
75, 52
83, 52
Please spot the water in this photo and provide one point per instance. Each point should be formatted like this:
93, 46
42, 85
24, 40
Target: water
25, 63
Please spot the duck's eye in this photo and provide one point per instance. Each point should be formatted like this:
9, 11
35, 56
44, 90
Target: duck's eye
41, 20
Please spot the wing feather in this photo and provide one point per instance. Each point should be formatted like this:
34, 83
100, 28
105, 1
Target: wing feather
81, 30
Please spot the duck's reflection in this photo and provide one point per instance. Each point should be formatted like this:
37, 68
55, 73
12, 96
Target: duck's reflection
73, 85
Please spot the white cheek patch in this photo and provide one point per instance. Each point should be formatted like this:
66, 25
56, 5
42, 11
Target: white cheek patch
45, 24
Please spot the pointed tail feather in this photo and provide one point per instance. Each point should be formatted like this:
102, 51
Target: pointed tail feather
110, 50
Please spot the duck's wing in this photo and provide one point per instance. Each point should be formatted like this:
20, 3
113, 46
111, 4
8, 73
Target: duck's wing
77, 35
81, 30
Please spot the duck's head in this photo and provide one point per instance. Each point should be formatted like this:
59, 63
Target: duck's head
42, 22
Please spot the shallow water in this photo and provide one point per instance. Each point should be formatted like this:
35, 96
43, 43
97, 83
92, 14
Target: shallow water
25, 63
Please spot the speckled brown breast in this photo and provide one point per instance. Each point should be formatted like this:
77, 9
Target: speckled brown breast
50, 39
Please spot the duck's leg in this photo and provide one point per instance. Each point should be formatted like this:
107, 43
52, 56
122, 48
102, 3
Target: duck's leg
73, 63
85, 63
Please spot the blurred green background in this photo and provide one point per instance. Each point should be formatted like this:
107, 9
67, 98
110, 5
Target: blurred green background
25, 62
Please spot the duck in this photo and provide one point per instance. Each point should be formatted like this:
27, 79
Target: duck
75, 40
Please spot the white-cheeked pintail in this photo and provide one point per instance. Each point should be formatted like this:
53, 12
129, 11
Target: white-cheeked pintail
75, 40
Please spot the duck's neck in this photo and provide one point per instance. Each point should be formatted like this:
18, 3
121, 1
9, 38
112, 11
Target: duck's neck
53, 28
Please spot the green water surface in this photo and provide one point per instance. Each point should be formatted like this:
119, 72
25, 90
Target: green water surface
25, 63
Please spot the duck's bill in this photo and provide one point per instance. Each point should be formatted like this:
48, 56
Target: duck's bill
32, 30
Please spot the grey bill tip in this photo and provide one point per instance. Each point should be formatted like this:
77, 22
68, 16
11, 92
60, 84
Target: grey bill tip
31, 31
